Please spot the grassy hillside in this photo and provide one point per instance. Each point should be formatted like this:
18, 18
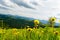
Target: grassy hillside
30, 34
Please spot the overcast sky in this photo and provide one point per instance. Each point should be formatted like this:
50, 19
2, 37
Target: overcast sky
40, 9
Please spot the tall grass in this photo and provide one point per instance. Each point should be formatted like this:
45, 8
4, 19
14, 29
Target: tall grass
31, 34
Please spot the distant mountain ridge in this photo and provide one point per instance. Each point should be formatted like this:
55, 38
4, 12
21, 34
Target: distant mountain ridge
15, 17
20, 17
20, 21
15, 21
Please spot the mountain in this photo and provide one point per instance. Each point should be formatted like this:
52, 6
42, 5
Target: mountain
19, 21
15, 21
15, 17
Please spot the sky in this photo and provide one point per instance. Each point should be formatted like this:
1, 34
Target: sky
39, 9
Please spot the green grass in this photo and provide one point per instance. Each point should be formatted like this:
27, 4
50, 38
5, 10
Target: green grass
30, 34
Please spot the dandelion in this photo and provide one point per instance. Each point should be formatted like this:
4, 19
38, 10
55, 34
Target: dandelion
56, 32
36, 22
52, 21
29, 29
14, 30
56, 35
16, 33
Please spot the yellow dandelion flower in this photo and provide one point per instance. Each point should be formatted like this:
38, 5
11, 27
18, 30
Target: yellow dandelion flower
29, 29
15, 33
52, 19
14, 30
36, 22
56, 32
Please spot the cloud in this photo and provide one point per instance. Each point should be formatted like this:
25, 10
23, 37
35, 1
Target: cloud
21, 3
34, 3
2, 2
40, 9
4, 8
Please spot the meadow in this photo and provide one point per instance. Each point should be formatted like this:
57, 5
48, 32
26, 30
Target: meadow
47, 33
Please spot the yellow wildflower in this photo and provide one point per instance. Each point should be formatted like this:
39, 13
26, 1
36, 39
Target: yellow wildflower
36, 22
14, 29
29, 29
52, 19
16, 33
56, 32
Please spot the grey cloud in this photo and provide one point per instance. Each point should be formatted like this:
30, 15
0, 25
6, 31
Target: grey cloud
3, 3
4, 8
34, 3
21, 3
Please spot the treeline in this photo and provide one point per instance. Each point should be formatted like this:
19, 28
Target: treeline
12, 22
